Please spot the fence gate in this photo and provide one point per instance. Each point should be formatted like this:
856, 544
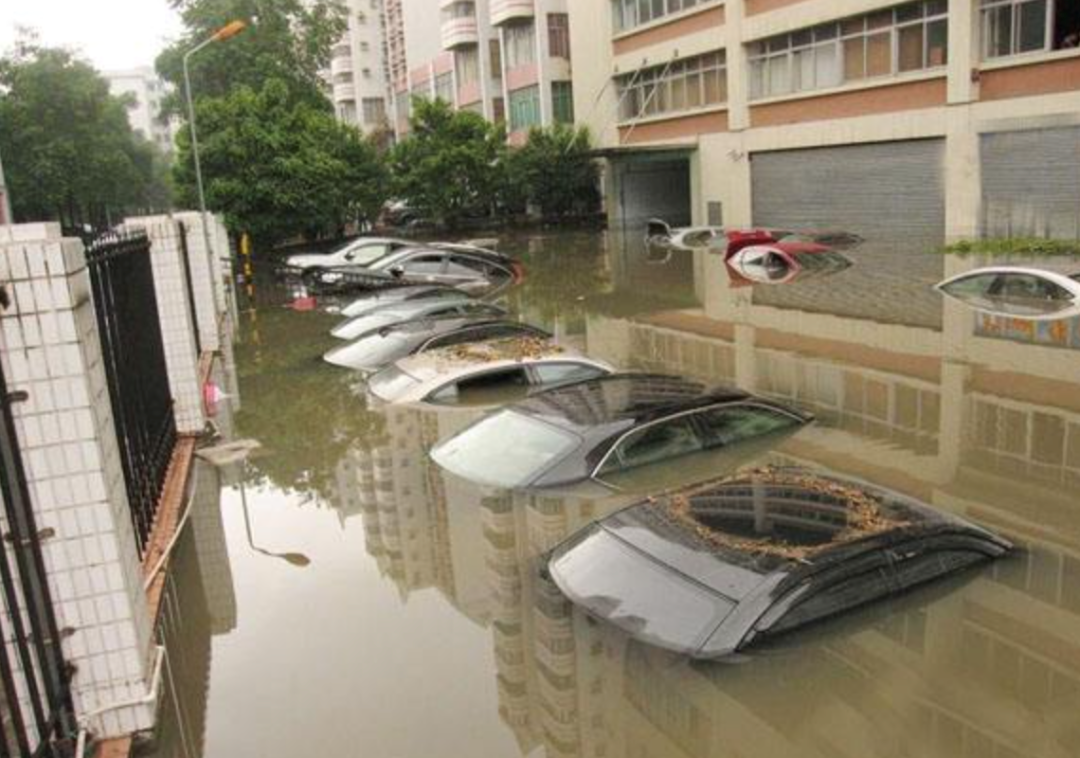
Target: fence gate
122, 280
36, 717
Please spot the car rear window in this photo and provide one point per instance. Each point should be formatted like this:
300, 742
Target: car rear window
484, 451
391, 383
632, 591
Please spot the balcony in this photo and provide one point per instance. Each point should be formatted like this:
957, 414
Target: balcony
459, 32
344, 93
340, 64
505, 11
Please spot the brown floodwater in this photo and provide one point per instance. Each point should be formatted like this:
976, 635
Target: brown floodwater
337, 596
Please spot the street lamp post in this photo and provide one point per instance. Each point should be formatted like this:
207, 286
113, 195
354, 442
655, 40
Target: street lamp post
293, 559
226, 32
5, 200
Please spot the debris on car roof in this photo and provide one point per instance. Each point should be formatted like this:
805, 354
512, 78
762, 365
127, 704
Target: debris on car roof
862, 511
506, 349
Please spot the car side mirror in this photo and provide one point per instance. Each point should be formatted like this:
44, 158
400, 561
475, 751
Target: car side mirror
349, 256
397, 271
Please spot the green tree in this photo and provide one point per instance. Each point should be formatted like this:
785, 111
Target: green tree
277, 168
286, 40
450, 164
556, 172
69, 152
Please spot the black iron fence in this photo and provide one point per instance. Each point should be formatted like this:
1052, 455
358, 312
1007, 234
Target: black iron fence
36, 715
122, 280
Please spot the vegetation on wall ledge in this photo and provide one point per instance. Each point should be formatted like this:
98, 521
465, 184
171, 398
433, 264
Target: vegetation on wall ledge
1020, 246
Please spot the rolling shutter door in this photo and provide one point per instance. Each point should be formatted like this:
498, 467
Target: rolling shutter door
1031, 183
880, 190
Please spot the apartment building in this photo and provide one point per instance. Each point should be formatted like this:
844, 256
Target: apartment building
358, 73
941, 119
146, 91
508, 60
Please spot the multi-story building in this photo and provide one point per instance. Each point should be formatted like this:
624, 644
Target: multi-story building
511, 60
508, 60
358, 73
964, 114
146, 91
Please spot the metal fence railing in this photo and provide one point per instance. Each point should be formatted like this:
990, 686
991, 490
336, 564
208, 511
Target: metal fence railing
36, 716
122, 281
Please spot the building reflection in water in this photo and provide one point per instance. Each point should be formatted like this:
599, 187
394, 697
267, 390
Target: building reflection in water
919, 395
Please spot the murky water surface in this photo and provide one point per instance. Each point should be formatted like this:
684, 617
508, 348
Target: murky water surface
335, 596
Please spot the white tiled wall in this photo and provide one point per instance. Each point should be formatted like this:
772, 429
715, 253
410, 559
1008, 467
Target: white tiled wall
207, 270
49, 347
174, 308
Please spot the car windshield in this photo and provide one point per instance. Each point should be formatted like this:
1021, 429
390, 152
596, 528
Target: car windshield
632, 591
364, 254
481, 452
392, 383
821, 260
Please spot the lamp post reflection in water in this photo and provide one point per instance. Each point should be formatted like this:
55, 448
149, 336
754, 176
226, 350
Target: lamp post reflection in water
295, 559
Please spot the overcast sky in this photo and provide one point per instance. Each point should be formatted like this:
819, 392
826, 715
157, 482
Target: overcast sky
112, 34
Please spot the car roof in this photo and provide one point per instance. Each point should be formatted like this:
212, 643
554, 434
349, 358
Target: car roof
450, 363
623, 399
751, 536
1067, 280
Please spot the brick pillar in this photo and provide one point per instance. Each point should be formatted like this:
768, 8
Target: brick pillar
49, 348
178, 325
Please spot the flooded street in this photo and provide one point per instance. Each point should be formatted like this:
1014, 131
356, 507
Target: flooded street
337, 595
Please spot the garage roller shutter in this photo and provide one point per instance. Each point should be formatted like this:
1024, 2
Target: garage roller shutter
1031, 183
881, 190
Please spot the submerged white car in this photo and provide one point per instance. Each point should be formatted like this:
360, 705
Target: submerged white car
362, 251
480, 374
1017, 291
398, 313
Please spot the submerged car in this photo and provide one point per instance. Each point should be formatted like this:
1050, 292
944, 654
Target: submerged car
398, 313
471, 269
710, 570
784, 262
730, 241
482, 373
371, 301
1027, 293
602, 428
362, 251
381, 348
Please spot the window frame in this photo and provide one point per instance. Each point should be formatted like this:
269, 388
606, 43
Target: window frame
635, 88
838, 36
988, 7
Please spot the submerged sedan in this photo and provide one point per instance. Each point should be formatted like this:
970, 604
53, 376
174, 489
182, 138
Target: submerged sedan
378, 298
479, 374
1033, 294
712, 569
730, 241
399, 313
379, 349
604, 428
784, 262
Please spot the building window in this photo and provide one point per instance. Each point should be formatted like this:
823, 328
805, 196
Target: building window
559, 35
365, 46
341, 50
1014, 27
683, 85
911, 37
401, 107
627, 14
498, 110
467, 63
562, 102
374, 110
347, 112
524, 108
444, 87
345, 77
495, 51
461, 9
520, 45
361, 18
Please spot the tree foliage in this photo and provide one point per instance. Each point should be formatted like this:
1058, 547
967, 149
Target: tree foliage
69, 152
278, 168
449, 166
554, 171
286, 40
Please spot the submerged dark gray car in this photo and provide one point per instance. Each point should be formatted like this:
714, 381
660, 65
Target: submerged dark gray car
709, 570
